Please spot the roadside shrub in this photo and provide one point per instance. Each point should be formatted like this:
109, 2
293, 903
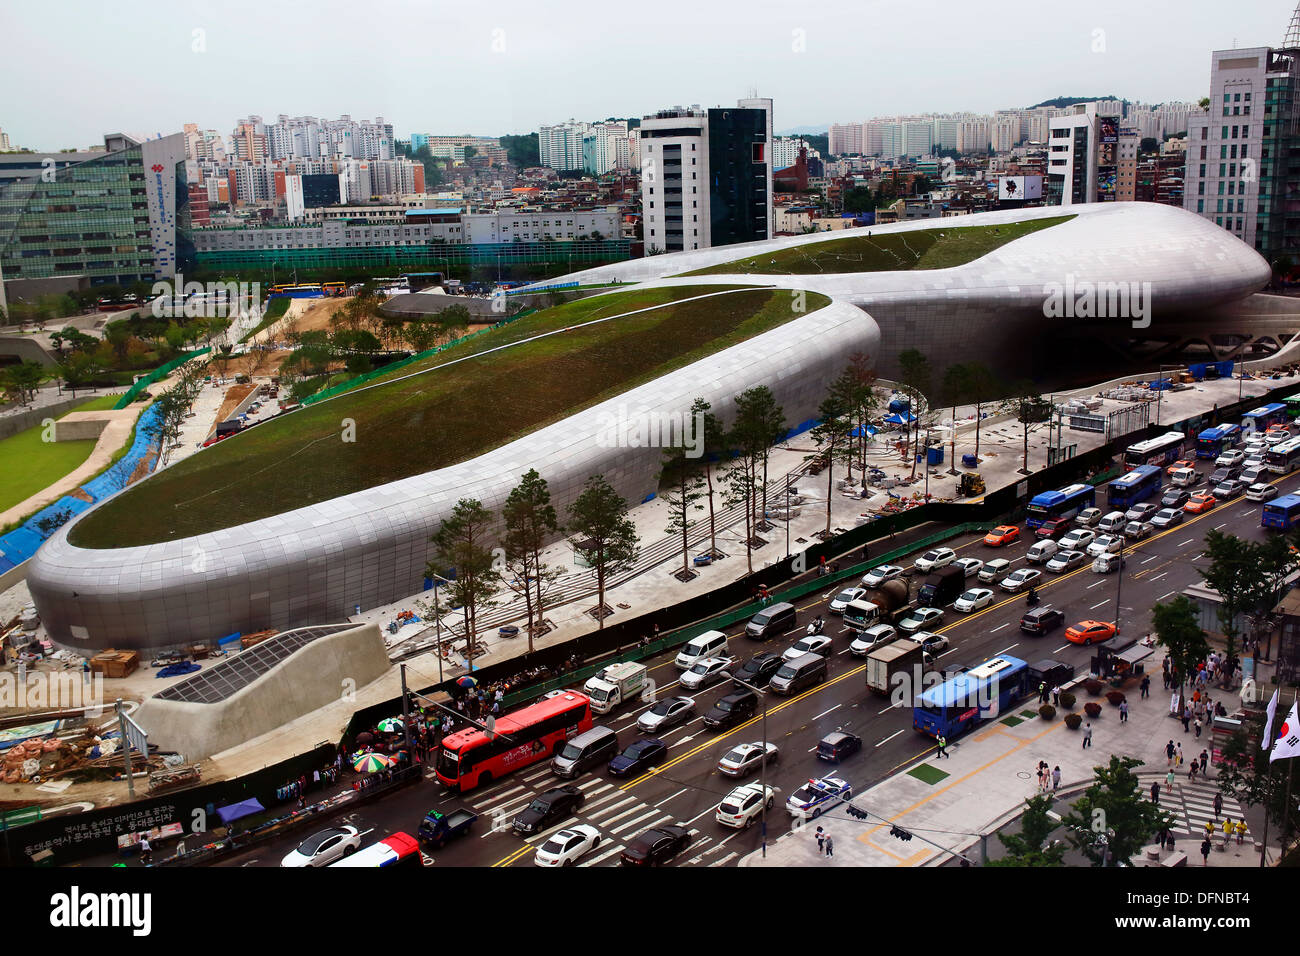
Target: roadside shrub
1073, 721
1092, 709
1116, 697
1093, 686
1047, 712
1067, 700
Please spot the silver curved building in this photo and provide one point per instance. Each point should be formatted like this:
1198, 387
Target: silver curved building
369, 548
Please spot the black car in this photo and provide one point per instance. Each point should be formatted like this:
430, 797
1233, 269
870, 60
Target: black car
758, 670
838, 745
1175, 498
1220, 475
1041, 620
731, 709
656, 847
639, 757
550, 807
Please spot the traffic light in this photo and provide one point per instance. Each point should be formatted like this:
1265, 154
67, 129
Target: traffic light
857, 814
899, 833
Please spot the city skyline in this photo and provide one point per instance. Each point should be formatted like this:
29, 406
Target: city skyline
523, 57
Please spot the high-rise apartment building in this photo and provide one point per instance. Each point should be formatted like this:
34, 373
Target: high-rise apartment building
559, 147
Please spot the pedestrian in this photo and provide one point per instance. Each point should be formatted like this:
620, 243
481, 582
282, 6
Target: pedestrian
1205, 852
1169, 781
1087, 734
1146, 685
1191, 771
146, 851
1180, 754
943, 745
1123, 711
1042, 783
1155, 792
1056, 778
1197, 724
830, 845
1169, 753
1056, 696
1042, 692
1218, 805
1187, 718
1241, 830
821, 840
1227, 830
1205, 761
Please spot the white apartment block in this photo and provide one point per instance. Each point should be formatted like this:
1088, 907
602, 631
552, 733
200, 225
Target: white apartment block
490, 227
674, 180
1006, 134
560, 147
785, 151
973, 136
845, 138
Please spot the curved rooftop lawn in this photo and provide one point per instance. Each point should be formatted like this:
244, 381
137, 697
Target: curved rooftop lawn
468, 401
28, 464
940, 248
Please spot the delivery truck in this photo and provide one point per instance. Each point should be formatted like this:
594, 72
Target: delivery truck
942, 587
896, 657
614, 685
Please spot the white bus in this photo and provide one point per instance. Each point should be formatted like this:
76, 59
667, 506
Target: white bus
1284, 457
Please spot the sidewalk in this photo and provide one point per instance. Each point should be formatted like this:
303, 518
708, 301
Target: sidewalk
982, 786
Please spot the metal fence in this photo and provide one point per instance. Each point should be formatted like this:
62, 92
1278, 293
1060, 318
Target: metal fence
162, 371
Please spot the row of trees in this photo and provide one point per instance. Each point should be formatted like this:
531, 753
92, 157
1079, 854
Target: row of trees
173, 406
597, 523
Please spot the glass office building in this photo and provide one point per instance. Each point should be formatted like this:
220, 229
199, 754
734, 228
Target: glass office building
739, 210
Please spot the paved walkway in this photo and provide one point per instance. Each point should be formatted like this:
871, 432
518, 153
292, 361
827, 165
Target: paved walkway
982, 786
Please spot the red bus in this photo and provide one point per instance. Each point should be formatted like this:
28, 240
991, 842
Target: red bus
400, 849
468, 759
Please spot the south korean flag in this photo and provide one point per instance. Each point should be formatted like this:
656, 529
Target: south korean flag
1288, 737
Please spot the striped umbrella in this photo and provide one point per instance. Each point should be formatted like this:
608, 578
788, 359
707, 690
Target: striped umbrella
370, 763
392, 725
466, 682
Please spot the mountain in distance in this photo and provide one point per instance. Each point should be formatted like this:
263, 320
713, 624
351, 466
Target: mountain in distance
802, 131
1061, 102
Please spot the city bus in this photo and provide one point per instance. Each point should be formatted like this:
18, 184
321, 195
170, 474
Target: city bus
1292, 407
468, 758
306, 290
1213, 442
1284, 457
400, 850
1138, 485
335, 288
1066, 503
1259, 419
1281, 514
1162, 450
967, 700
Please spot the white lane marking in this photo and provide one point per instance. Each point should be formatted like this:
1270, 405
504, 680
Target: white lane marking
1103, 603
1188, 541
1000, 627
1005, 649
730, 856
1061, 648
1097, 585
1163, 596
698, 815
889, 738
825, 712
677, 794
1150, 559
626, 813
539, 837
1157, 577
614, 794
612, 807
654, 812
608, 853
594, 782
497, 791
1218, 526
885, 711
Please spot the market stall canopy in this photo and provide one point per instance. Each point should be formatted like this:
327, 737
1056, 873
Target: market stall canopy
237, 811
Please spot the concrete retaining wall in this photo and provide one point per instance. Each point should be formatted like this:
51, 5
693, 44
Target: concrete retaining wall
20, 422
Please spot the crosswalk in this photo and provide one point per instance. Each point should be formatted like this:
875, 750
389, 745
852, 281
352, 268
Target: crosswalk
1192, 804
618, 815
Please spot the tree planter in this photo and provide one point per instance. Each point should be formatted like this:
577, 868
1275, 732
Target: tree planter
1067, 700
1093, 686
1092, 709
1047, 712
1115, 697
1073, 721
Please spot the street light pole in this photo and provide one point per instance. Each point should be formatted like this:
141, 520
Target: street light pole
762, 768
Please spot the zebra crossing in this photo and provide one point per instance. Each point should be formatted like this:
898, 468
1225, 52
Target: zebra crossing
619, 816
1192, 803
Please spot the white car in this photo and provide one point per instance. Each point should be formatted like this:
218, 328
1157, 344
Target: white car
707, 672
665, 713
1020, 580
813, 644
994, 570
323, 848
1078, 538
1064, 561
1168, 517
969, 566
1261, 492
740, 808
1107, 543
1231, 457
872, 638
937, 558
920, 619
973, 600
570, 844
1275, 436
878, 576
1088, 517
841, 600
745, 758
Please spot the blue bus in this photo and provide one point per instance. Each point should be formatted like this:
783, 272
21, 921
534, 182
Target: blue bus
1162, 450
1259, 419
1138, 485
1212, 442
967, 700
1066, 503
1281, 514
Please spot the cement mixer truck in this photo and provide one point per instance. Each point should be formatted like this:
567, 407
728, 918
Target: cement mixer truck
886, 604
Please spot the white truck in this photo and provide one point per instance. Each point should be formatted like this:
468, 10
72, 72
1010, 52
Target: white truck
614, 685
885, 662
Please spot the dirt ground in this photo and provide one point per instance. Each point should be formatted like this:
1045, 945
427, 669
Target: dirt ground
234, 395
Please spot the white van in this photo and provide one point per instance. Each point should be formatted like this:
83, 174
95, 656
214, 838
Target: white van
1113, 523
1183, 477
1041, 551
708, 644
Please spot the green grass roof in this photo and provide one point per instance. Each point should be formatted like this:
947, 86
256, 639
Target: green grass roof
471, 401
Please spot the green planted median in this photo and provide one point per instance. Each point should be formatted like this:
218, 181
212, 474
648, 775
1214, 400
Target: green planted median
470, 399
940, 248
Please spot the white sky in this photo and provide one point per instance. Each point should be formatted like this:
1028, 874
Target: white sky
75, 69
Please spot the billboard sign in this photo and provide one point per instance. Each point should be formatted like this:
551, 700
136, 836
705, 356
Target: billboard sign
1020, 187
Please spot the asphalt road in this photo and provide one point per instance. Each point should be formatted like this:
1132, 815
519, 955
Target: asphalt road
686, 788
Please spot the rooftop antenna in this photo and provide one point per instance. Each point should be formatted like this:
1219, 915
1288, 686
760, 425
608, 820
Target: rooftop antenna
1292, 41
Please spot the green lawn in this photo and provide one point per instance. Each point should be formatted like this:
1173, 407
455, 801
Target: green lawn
417, 424
28, 465
940, 248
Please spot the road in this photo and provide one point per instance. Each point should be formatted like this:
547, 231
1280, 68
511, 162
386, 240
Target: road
686, 788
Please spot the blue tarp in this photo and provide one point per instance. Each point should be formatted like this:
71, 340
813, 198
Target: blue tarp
237, 811
229, 639
177, 670
857, 430
897, 419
